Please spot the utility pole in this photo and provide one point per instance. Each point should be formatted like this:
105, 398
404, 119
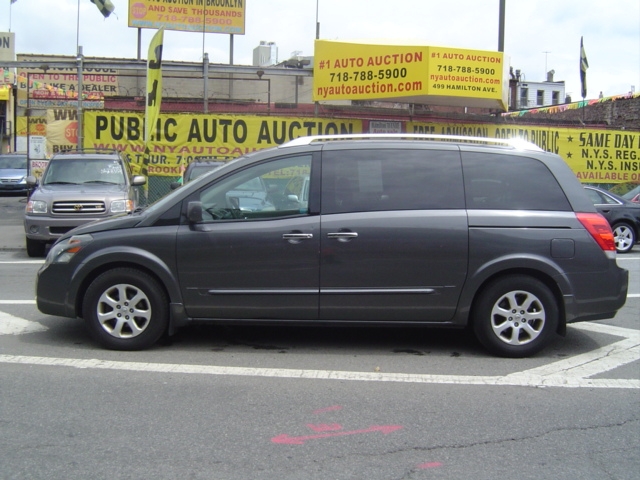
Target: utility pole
501, 26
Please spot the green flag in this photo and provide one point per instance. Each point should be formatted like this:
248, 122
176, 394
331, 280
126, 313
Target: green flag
584, 64
105, 7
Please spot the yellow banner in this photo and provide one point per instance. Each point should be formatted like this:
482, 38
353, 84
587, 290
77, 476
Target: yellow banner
62, 130
182, 138
4, 92
212, 16
596, 156
414, 74
154, 82
37, 126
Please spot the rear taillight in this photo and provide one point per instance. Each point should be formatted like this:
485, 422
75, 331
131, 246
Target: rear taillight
599, 229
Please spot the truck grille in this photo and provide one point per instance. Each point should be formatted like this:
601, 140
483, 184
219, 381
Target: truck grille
10, 181
72, 207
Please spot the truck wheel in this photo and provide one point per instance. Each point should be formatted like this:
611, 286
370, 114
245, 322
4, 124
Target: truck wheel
515, 316
35, 248
126, 309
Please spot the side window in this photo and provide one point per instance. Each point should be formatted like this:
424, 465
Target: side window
267, 190
391, 179
600, 199
509, 182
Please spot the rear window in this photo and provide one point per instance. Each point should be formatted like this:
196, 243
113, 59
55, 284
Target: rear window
391, 179
13, 162
509, 182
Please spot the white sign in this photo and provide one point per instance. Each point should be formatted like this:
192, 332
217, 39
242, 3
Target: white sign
37, 147
7, 46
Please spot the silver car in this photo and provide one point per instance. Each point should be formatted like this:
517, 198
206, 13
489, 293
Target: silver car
13, 172
76, 188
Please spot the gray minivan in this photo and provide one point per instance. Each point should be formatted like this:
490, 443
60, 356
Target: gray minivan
397, 230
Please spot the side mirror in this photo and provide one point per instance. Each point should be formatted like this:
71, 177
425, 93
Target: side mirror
31, 181
138, 180
194, 212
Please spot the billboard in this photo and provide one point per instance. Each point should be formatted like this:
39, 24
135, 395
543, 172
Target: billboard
410, 74
210, 16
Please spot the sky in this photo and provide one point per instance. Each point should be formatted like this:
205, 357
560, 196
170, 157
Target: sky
540, 35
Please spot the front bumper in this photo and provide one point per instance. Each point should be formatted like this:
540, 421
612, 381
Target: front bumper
49, 229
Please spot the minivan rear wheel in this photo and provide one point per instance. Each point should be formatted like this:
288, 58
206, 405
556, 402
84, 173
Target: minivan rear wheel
126, 309
515, 316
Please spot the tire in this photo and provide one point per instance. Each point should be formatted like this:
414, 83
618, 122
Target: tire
624, 237
36, 248
106, 303
515, 316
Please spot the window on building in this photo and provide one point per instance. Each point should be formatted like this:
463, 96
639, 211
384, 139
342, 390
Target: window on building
524, 97
555, 97
540, 97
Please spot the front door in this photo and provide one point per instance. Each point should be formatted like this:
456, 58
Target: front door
255, 254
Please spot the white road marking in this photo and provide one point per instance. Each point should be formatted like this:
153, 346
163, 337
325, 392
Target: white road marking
10, 325
18, 262
573, 372
17, 302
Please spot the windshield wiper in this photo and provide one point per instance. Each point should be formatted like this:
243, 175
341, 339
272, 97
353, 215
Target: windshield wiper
102, 182
61, 183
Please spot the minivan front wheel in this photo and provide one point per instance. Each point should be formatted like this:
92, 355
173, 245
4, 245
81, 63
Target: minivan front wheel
126, 309
515, 316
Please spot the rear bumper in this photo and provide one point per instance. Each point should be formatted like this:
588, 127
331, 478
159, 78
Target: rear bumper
601, 304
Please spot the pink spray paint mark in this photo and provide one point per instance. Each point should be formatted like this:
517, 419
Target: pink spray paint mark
286, 439
328, 409
424, 466
323, 427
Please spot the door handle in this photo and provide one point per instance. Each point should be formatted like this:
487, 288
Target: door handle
342, 236
296, 237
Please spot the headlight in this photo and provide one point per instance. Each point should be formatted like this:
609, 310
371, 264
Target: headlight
64, 251
36, 206
121, 206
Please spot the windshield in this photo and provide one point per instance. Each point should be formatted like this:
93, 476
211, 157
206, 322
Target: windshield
13, 162
84, 171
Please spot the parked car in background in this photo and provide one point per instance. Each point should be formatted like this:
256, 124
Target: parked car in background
13, 172
622, 215
78, 187
346, 230
633, 195
195, 169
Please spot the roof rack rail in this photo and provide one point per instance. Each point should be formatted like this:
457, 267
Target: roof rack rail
89, 150
516, 143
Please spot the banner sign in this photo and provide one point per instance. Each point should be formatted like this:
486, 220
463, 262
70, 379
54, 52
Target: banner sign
179, 139
59, 88
62, 130
410, 74
211, 16
596, 156
36, 125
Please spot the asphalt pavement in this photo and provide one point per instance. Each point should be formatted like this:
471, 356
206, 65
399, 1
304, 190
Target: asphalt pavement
11, 214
